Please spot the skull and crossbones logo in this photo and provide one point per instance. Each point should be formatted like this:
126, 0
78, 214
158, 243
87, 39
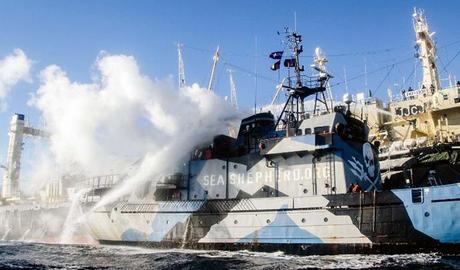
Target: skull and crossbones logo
367, 171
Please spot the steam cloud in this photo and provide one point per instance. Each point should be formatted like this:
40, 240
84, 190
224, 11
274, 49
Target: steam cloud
13, 69
123, 116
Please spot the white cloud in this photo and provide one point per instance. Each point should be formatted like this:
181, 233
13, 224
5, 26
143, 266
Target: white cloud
13, 68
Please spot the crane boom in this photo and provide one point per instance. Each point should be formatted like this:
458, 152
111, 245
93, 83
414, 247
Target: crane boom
181, 70
214, 64
233, 99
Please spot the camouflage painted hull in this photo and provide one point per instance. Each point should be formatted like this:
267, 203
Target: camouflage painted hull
403, 220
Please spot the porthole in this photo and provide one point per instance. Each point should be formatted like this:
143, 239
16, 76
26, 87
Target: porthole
303, 220
326, 219
217, 195
223, 167
305, 190
115, 209
427, 214
194, 196
111, 220
235, 221
334, 189
268, 221
235, 166
147, 221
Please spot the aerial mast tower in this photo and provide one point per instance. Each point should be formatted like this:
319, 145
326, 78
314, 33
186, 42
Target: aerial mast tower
426, 51
299, 86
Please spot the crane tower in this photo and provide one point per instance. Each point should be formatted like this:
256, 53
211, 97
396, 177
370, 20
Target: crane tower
17, 131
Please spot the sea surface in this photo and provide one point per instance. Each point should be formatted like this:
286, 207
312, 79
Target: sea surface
19, 255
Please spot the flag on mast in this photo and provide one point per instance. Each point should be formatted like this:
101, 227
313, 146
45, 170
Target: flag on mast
290, 62
276, 65
276, 55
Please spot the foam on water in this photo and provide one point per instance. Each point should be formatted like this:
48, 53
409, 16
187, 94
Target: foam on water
16, 255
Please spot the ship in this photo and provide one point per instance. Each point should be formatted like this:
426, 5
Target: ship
418, 131
327, 182
296, 182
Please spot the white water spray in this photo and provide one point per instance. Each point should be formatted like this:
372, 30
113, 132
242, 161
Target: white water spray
74, 219
5, 235
123, 116
24, 236
187, 230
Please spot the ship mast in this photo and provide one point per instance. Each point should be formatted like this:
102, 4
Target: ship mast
320, 62
426, 51
299, 86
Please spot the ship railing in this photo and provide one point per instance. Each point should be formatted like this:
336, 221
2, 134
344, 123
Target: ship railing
410, 94
173, 181
311, 82
101, 181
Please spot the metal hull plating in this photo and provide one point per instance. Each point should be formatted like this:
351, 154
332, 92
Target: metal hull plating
388, 221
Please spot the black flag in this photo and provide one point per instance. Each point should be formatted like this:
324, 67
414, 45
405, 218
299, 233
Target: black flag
276, 65
276, 55
289, 62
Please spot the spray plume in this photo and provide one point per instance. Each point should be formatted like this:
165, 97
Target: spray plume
124, 116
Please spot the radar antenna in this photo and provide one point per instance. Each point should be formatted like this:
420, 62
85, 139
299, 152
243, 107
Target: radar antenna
319, 65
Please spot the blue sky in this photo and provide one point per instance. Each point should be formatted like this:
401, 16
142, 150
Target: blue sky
71, 34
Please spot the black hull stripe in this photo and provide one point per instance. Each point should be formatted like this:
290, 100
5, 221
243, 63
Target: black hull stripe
262, 210
446, 200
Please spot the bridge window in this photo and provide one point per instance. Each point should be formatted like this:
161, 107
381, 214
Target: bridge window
322, 129
307, 131
417, 195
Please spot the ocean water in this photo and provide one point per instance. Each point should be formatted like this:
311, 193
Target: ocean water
19, 255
